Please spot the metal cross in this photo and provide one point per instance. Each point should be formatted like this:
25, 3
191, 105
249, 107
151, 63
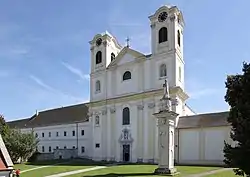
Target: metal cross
127, 40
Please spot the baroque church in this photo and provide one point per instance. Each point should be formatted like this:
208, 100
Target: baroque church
117, 124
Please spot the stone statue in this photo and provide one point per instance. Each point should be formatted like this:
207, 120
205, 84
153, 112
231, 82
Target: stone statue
166, 100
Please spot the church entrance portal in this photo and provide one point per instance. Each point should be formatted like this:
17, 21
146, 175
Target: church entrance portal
126, 153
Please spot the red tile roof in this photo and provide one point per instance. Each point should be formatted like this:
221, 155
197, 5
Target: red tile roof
2, 164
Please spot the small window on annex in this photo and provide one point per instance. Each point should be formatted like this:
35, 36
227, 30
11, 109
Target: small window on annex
83, 149
82, 132
97, 145
126, 75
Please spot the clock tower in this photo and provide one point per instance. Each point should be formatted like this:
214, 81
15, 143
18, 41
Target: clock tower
104, 48
166, 30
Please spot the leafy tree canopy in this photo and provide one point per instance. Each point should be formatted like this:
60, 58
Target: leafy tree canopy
19, 145
238, 98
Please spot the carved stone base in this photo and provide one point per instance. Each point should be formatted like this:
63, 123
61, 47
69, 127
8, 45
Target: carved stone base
166, 171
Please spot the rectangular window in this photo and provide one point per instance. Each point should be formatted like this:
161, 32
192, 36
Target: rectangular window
36, 135
49, 134
65, 133
42, 148
57, 147
83, 149
97, 145
74, 147
82, 132
42, 134
73, 133
57, 133
65, 147
49, 149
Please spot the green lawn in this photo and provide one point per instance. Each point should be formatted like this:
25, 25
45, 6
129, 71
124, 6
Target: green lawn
50, 170
140, 170
229, 173
26, 166
130, 170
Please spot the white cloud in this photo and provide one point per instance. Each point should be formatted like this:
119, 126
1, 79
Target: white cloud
53, 90
41, 83
76, 71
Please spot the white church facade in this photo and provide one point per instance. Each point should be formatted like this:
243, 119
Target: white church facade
125, 91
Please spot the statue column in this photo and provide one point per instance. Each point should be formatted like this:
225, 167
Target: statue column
166, 127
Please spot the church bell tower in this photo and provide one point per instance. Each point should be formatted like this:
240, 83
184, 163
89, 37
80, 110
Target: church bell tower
166, 30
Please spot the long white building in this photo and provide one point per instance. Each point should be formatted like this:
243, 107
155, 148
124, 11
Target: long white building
125, 90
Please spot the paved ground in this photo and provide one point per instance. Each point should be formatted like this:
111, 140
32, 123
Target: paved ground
209, 172
76, 171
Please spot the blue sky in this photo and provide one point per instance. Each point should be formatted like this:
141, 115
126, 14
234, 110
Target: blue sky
45, 55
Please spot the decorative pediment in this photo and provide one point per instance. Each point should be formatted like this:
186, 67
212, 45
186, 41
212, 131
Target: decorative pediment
126, 55
126, 137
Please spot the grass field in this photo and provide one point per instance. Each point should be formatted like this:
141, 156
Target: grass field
140, 170
45, 169
223, 174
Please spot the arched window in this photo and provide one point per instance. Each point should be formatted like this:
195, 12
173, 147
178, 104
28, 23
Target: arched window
163, 70
163, 34
112, 56
98, 86
127, 75
179, 38
180, 73
125, 116
98, 57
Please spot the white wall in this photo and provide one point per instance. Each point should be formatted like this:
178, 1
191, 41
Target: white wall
202, 145
61, 141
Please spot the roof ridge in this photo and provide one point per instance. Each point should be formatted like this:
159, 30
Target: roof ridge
63, 107
203, 114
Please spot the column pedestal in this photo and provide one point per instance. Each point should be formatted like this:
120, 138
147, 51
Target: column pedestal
166, 171
166, 127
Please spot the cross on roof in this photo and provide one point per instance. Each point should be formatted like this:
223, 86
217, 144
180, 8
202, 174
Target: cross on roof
127, 41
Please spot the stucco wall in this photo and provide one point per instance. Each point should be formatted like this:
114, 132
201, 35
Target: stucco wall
69, 141
202, 145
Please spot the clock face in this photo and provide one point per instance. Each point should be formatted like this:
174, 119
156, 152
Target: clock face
163, 16
98, 41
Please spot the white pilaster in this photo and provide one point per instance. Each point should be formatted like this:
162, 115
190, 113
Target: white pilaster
108, 135
145, 130
118, 132
134, 119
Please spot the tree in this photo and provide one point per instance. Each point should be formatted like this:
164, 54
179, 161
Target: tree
20, 145
238, 98
3, 125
